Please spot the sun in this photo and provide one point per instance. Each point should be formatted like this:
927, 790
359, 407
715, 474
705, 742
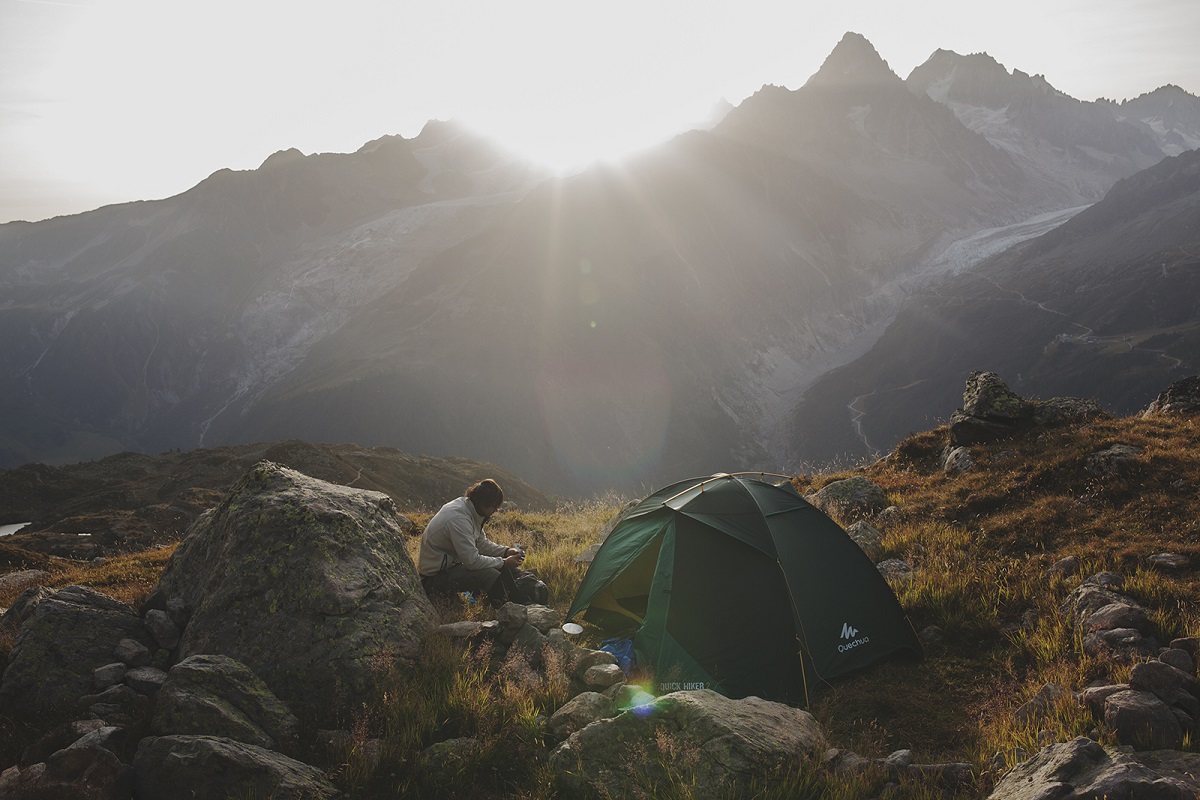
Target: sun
567, 140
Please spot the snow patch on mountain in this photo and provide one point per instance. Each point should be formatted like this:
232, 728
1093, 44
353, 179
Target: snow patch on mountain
780, 373
322, 286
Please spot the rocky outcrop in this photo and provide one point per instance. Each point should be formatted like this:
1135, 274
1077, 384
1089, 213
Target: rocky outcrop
1181, 397
304, 582
65, 639
1110, 622
85, 770
992, 411
699, 739
1081, 769
1160, 705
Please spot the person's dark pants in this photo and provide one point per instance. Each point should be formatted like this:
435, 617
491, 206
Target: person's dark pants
496, 584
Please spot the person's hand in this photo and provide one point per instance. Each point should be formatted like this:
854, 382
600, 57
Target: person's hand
514, 561
512, 551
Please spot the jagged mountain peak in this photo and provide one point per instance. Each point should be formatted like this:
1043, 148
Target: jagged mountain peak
1168, 94
978, 78
383, 143
853, 63
280, 157
436, 131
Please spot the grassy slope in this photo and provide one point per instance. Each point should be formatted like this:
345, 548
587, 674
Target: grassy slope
980, 543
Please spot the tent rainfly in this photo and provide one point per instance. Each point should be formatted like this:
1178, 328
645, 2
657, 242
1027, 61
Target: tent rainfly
734, 584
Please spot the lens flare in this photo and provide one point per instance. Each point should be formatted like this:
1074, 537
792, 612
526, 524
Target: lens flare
605, 412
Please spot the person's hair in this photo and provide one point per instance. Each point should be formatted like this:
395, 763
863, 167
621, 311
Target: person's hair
485, 494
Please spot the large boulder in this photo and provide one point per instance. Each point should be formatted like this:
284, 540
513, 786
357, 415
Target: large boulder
700, 739
170, 767
305, 582
1081, 769
65, 639
217, 696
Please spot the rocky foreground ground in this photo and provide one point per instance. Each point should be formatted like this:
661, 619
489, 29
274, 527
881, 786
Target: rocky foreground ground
241, 673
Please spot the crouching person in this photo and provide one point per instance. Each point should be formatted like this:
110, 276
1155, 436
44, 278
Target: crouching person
456, 556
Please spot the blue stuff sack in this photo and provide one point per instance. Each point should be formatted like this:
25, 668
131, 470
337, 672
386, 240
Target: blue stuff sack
622, 650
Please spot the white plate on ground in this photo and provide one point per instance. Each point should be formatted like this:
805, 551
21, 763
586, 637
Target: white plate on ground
572, 628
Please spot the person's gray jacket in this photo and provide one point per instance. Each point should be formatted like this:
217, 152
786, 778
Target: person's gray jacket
455, 536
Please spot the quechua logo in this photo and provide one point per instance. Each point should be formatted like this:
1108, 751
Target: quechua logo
850, 638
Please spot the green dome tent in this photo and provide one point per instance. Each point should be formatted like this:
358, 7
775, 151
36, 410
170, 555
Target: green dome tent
734, 584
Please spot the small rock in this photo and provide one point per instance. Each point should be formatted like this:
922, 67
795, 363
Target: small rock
544, 618
459, 630
602, 676
1124, 644
869, 540
895, 570
145, 680
133, 653
1179, 659
1094, 697
580, 710
590, 658
892, 515
1159, 678
1117, 615
1065, 567
1168, 562
1184, 701
511, 617
108, 675
932, 635
1188, 644
1107, 580
958, 460
22, 579
845, 762
1115, 460
163, 628
57, 739
898, 760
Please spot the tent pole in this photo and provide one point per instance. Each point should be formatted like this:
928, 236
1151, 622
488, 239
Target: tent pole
722, 476
804, 679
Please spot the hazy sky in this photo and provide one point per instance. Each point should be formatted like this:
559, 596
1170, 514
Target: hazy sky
109, 100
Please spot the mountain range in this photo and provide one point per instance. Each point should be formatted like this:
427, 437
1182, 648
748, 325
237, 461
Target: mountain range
713, 303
